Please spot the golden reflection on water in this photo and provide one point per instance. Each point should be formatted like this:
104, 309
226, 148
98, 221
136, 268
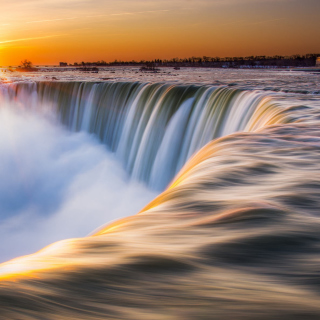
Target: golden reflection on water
235, 236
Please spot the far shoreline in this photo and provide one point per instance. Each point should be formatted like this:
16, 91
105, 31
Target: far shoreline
142, 69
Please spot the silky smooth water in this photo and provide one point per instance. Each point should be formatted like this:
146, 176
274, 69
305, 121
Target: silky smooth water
152, 128
235, 234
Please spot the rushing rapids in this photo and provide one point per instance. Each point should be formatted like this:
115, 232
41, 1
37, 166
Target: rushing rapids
153, 128
234, 236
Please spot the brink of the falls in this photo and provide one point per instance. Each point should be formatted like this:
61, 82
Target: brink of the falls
234, 233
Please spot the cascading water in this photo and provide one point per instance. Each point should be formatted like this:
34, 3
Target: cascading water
234, 236
152, 128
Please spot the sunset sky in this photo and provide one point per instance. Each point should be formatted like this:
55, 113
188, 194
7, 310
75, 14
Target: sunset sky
49, 31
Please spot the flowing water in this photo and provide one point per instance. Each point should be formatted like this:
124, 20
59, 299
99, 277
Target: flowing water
234, 234
152, 128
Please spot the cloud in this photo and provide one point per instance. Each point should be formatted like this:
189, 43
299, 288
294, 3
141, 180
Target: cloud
61, 19
245, 22
138, 12
34, 38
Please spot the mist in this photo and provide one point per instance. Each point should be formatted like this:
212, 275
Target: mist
55, 184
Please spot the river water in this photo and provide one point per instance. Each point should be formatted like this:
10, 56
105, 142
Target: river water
234, 160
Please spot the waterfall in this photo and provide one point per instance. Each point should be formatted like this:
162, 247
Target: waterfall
235, 234
152, 128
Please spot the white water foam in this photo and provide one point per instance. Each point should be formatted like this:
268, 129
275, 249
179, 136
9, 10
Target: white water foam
55, 184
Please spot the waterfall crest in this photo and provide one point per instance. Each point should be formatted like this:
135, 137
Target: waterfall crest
152, 128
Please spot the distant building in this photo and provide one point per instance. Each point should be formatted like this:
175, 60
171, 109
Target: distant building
318, 62
63, 64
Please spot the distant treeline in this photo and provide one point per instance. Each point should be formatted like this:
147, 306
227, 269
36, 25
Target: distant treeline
308, 60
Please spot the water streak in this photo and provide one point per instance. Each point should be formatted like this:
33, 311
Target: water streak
234, 236
153, 128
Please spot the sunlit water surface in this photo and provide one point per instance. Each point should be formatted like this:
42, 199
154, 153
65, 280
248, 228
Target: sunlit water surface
234, 236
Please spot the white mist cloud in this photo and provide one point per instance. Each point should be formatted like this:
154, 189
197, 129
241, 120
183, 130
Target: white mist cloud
55, 184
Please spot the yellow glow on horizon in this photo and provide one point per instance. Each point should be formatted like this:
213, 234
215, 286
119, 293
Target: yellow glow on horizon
81, 30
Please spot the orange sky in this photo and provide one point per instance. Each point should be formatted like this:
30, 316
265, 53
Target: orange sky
49, 31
